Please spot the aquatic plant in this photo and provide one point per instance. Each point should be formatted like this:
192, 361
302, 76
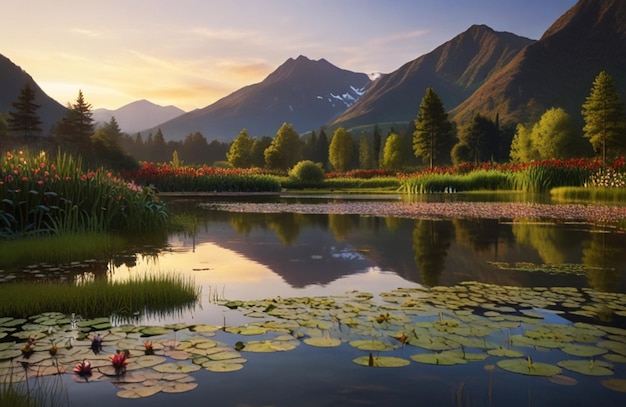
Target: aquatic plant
83, 368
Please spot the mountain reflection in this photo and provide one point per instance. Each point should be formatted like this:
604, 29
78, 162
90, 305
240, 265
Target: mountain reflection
306, 249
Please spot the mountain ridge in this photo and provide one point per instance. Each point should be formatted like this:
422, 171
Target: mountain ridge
138, 115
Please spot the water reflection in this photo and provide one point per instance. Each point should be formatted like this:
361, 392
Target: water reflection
286, 251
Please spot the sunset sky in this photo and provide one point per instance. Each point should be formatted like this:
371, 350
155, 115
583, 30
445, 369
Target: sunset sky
190, 53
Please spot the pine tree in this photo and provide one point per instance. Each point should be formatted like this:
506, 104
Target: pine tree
24, 119
433, 137
605, 124
77, 127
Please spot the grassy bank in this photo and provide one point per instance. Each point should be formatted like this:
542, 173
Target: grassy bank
152, 295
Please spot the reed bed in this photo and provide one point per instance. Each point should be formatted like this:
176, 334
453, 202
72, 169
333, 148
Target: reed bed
59, 249
155, 295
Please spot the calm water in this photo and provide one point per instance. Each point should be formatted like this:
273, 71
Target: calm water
252, 256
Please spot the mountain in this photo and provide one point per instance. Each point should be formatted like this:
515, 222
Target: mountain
138, 115
12, 80
559, 69
455, 70
301, 91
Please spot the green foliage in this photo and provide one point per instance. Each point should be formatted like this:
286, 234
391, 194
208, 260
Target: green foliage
434, 136
542, 177
341, 150
522, 148
285, 150
393, 155
308, 173
481, 139
555, 135
605, 123
152, 295
240, 153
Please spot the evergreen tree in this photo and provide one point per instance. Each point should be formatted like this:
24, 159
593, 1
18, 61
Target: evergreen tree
341, 150
240, 153
434, 136
321, 149
77, 127
109, 135
285, 150
24, 119
308, 150
605, 124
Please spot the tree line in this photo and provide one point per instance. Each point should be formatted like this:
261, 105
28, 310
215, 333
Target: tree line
432, 139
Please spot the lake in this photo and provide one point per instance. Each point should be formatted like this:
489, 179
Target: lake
324, 293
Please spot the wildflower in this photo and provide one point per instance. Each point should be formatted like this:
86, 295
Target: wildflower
148, 348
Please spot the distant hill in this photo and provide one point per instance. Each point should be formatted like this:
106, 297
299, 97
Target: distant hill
137, 116
559, 69
12, 80
301, 91
455, 70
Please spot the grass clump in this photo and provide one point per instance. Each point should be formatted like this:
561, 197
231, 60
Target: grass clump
156, 295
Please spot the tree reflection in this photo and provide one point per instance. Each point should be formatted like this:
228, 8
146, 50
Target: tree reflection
241, 223
285, 225
478, 234
341, 225
431, 241
551, 242
603, 254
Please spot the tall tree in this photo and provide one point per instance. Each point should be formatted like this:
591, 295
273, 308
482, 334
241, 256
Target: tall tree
522, 148
258, 149
393, 157
376, 145
321, 149
285, 150
365, 152
481, 139
341, 149
605, 124
240, 153
556, 135
433, 137
77, 127
24, 119
109, 135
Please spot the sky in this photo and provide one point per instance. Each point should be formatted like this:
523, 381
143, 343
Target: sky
191, 53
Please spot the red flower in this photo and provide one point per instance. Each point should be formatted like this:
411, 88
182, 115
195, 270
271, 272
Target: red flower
83, 368
119, 360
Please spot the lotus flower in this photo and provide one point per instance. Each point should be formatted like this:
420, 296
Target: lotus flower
119, 361
27, 349
83, 368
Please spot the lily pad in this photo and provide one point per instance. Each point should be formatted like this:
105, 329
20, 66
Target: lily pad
370, 345
322, 342
381, 361
523, 366
507, 353
221, 366
615, 384
139, 392
178, 387
443, 359
587, 367
177, 368
155, 330
584, 351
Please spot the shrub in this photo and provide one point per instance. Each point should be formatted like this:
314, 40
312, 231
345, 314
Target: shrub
307, 173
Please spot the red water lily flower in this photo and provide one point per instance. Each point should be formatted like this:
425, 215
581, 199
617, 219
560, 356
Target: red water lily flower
119, 360
83, 368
